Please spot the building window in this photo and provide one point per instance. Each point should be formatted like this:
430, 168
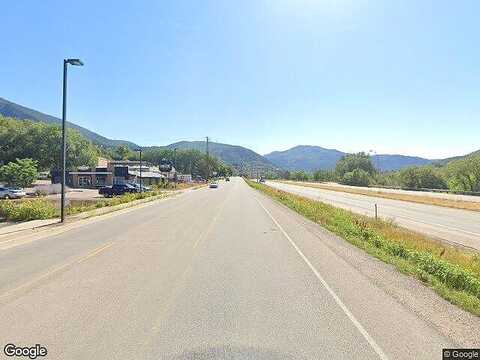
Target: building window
101, 180
84, 181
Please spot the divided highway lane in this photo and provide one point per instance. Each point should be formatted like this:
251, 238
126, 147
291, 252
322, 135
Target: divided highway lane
452, 225
217, 274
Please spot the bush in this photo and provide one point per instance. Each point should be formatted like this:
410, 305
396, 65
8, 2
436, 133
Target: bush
357, 177
27, 210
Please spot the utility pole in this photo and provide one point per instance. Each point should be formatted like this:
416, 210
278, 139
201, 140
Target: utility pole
208, 161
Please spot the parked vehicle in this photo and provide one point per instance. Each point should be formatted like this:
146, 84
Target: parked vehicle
213, 185
227, 179
117, 189
7, 193
140, 189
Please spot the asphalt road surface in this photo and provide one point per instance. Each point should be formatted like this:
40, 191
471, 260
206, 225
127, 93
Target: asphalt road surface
216, 274
451, 225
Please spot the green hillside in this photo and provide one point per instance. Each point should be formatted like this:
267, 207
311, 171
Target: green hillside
10, 109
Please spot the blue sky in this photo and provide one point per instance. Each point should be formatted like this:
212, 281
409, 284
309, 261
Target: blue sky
392, 76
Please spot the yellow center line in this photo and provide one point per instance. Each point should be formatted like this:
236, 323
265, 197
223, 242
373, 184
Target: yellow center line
56, 270
95, 252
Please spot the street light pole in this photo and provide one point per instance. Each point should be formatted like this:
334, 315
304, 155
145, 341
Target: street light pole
141, 188
75, 62
175, 166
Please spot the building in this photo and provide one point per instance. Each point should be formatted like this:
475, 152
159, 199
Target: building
109, 172
184, 178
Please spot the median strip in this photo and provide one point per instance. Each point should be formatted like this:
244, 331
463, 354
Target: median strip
419, 199
452, 272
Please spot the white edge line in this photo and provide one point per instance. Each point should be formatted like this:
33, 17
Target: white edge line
335, 297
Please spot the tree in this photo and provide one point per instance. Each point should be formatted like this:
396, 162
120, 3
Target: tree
21, 173
421, 178
464, 174
300, 176
357, 177
21, 139
123, 152
188, 161
324, 175
350, 162
355, 169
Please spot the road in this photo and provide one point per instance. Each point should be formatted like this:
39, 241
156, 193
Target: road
216, 274
451, 225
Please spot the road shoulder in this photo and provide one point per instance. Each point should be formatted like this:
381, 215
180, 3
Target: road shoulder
449, 320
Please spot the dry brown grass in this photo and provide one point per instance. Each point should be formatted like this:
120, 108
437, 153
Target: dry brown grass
420, 199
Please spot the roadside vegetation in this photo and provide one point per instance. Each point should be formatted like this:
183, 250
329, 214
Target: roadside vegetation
35, 209
39, 209
452, 272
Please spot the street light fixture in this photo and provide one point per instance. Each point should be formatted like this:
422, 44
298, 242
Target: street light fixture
74, 62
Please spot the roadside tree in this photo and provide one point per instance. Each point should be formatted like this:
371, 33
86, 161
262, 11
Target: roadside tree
20, 173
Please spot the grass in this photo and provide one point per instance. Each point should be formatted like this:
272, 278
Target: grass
420, 199
454, 273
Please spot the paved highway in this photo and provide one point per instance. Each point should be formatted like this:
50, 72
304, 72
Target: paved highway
216, 274
452, 225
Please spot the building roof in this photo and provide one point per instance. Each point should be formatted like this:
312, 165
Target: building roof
146, 174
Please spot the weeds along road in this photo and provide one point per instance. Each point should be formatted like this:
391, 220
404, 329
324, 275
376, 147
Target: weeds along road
452, 225
217, 273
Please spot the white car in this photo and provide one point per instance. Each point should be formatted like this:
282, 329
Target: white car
213, 185
7, 193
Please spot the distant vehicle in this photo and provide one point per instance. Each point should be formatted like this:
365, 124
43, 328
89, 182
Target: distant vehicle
139, 189
262, 180
117, 189
213, 185
7, 193
227, 179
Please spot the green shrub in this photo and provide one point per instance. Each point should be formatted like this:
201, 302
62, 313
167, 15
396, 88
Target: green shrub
27, 210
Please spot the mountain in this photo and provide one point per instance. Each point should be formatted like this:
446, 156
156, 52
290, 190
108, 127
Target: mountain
386, 162
305, 157
311, 158
460, 157
243, 160
10, 109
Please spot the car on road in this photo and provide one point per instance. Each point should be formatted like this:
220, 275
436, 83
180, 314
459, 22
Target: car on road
227, 179
213, 185
117, 189
8, 193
